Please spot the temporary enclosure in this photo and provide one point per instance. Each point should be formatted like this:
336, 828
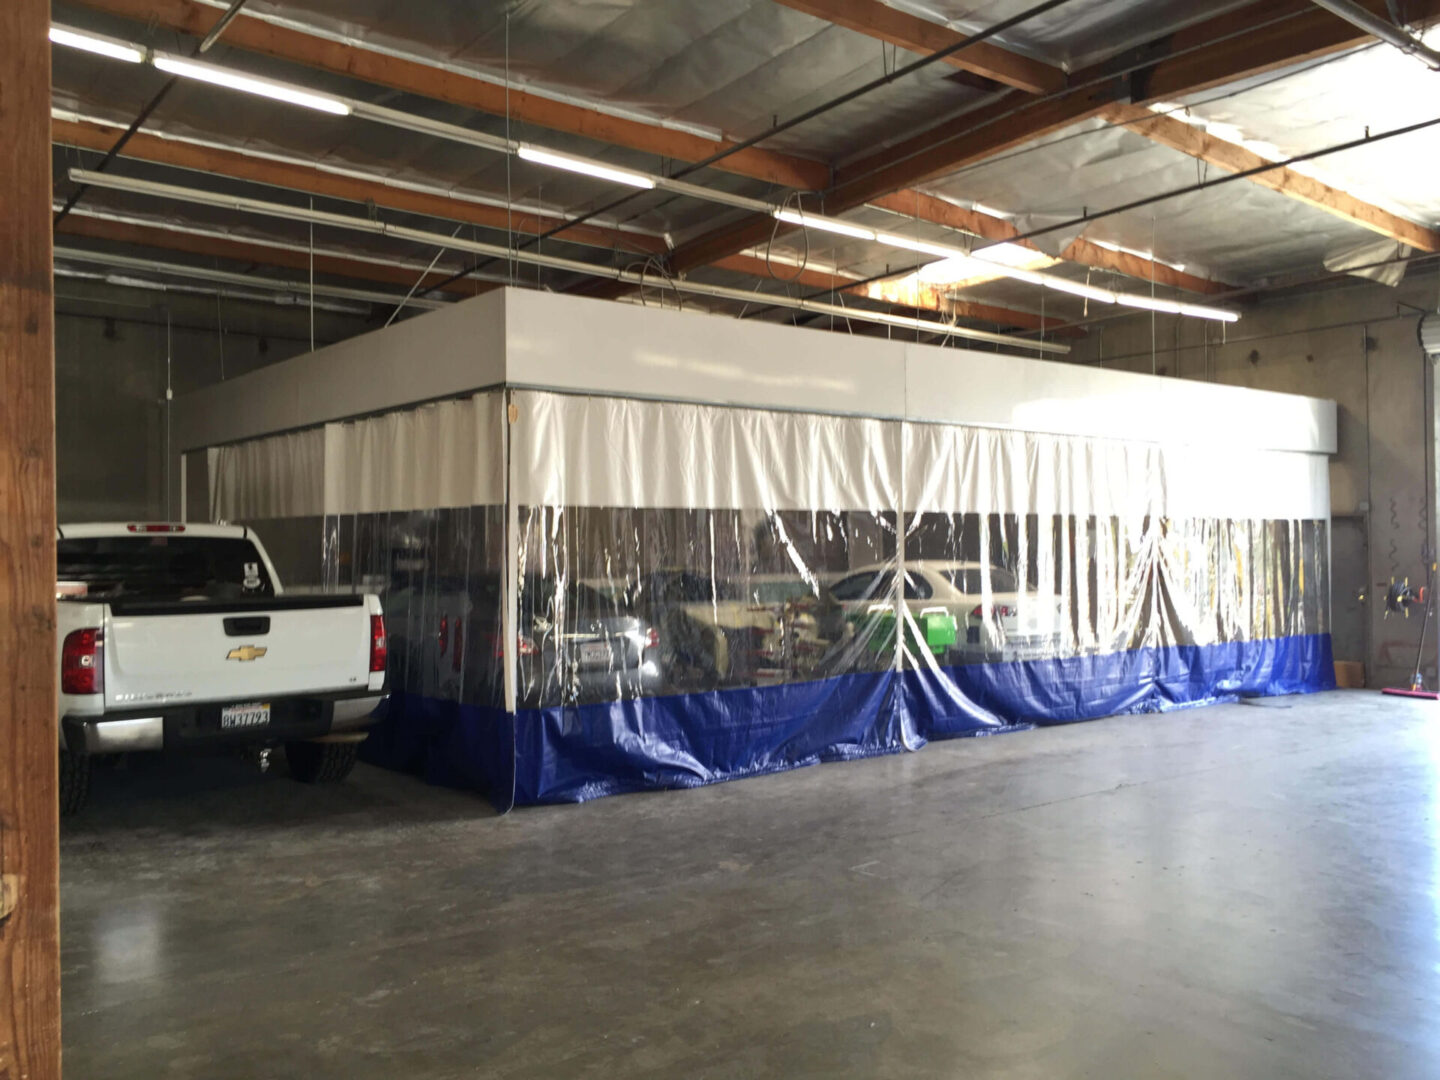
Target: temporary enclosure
626, 548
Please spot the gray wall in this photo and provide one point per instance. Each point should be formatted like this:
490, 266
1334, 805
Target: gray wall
111, 345
1354, 342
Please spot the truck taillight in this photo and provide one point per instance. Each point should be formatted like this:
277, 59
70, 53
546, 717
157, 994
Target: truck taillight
444, 638
155, 528
82, 662
379, 649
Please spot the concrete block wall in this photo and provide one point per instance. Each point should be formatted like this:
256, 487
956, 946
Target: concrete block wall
1356, 343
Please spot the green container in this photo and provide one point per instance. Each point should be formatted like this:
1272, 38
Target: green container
939, 630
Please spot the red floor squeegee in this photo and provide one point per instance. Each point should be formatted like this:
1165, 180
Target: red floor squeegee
1400, 597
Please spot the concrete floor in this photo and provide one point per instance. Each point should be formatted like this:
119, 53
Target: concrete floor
1241, 891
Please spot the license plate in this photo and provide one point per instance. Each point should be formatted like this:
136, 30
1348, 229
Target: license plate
244, 716
595, 653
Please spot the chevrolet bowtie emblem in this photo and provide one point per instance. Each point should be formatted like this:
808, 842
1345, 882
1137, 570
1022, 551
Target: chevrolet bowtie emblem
245, 653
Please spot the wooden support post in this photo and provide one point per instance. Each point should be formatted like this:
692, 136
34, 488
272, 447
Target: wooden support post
29, 807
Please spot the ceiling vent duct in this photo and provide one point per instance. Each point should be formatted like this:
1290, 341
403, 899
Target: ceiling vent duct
1430, 334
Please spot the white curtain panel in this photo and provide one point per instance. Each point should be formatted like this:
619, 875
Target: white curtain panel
279, 476
601, 451
445, 454
950, 469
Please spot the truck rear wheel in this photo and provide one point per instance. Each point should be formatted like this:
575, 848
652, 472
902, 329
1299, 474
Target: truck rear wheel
74, 782
321, 763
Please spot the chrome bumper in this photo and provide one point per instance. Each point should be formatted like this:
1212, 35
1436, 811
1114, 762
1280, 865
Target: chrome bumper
122, 736
352, 714
132, 733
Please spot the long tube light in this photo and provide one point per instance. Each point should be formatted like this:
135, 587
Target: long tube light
824, 224
924, 247
584, 166
1176, 307
227, 277
555, 262
1060, 284
98, 44
283, 92
249, 84
152, 285
279, 245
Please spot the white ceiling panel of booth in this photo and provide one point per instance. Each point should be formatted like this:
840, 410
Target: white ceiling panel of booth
595, 346
443, 353
574, 343
990, 390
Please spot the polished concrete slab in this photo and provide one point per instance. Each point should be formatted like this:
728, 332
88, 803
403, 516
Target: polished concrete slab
1241, 891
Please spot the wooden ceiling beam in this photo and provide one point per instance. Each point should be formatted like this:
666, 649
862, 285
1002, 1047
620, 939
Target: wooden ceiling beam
756, 266
415, 77
240, 250
1196, 143
262, 254
917, 35
1260, 37
316, 181
917, 204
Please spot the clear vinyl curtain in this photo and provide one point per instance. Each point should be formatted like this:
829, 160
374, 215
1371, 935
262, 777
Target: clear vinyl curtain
698, 593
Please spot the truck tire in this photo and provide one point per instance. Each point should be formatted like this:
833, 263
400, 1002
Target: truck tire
74, 782
321, 763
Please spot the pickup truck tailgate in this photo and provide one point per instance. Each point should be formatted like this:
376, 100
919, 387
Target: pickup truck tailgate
245, 650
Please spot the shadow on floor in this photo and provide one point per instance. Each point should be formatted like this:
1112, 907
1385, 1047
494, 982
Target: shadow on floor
188, 795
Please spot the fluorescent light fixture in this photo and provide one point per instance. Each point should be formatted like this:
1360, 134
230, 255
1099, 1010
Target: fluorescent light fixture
96, 43
584, 166
175, 192
1176, 307
1149, 303
824, 224
249, 84
989, 211
1059, 284
1200, 311
1078, 288
958, 271
1008, 254
944, 251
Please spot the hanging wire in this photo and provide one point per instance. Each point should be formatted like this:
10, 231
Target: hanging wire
794, 197
406, 299
312, 277
1154, 315
509, 196
657, 265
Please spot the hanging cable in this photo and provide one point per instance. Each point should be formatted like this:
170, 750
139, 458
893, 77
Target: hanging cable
1151, 200
809, 114
775, 232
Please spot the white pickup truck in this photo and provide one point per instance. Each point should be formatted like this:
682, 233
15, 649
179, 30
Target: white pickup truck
178, 637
